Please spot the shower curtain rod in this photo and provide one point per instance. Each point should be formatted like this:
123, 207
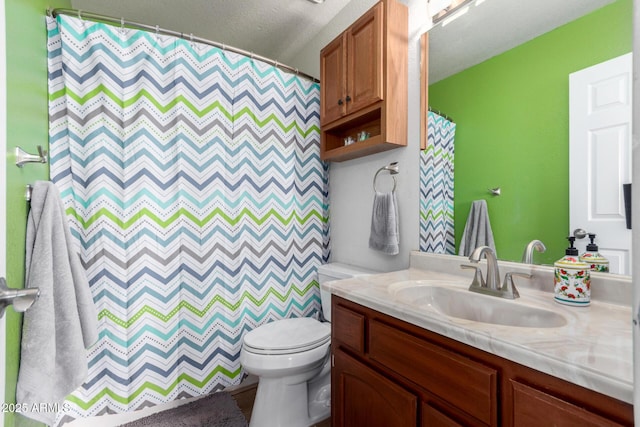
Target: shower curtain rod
109, 19
440, 113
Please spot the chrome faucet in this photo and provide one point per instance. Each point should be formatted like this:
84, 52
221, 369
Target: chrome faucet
527, 256
491, 286
493, 272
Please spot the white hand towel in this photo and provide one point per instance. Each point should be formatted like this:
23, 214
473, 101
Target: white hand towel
385, 236
477, 231
63, 321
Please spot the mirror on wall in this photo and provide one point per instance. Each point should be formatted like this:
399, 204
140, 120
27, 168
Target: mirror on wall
501, 72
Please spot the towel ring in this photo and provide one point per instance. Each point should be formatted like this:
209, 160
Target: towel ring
393, 169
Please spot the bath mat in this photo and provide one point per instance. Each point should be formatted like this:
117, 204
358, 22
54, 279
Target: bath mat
216, 410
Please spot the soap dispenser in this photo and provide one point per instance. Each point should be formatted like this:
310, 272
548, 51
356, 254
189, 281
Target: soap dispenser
592, 257
572, 279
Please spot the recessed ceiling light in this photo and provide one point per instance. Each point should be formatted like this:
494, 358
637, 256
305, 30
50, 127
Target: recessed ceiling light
316, 1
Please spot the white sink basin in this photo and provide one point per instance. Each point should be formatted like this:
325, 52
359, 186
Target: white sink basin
454, 300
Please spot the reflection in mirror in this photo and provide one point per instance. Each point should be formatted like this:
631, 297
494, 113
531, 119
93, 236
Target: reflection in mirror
512, 109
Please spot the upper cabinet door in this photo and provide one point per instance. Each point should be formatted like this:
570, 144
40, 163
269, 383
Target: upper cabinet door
364, 60
363, 85
332, 88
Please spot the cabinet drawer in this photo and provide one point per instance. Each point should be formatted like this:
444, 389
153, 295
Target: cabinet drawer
347, 328
532, 407
465, 384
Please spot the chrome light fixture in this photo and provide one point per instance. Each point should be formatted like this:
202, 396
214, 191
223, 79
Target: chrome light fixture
316, 1
448, 8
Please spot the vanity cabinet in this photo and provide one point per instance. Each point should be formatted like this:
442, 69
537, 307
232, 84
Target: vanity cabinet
386, 372
363, 74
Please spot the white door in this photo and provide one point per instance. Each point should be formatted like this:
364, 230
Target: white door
3, 187
600, 157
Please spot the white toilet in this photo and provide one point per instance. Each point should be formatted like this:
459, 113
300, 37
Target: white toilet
290, 357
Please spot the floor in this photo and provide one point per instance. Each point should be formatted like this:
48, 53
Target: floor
245, 396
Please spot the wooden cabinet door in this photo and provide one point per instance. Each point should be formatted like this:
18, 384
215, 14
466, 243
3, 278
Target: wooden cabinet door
333, 81
362, 397
364, 60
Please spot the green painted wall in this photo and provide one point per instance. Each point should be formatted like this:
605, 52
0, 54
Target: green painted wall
27, 126
512, 115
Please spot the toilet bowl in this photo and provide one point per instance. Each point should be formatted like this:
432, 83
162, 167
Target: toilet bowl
291, 358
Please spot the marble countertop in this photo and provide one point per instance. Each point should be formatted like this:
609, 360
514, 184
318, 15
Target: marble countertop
593, 349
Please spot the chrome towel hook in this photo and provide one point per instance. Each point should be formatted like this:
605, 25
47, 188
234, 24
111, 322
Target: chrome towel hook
21, 299
393, 169
22, 157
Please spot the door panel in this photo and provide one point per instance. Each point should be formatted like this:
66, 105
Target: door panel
362, 397
600, 157
365, 60
332, 90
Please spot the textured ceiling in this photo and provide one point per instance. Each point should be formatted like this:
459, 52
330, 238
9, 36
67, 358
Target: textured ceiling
279, 29
491, 27
275, 29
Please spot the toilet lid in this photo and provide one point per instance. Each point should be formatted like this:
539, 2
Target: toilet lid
288, 336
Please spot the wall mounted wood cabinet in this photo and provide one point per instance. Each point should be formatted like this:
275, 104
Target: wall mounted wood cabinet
363, 84
386, 372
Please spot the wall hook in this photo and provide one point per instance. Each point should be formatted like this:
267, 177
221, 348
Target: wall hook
21, 299
27, 192
22, 157
495, 191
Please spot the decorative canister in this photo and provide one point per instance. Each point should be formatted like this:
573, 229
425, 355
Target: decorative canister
592, 257
572, 279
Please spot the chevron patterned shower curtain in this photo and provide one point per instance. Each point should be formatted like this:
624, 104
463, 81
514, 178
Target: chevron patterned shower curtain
193, 182
436, 187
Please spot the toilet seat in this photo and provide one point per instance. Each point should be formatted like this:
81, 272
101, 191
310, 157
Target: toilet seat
288, 336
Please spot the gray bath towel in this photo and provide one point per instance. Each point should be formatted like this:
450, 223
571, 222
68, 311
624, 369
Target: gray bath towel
63, 321
385, 236
477, 231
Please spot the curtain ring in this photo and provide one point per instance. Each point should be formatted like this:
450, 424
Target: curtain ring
80, 14
122, 24
157, 30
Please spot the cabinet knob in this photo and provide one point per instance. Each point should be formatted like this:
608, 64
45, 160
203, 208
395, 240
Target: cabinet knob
348, 98
340, 101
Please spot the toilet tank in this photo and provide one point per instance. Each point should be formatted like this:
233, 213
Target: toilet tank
336, 271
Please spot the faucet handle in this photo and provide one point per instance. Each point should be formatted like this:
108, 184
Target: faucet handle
509, 287
478, 280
